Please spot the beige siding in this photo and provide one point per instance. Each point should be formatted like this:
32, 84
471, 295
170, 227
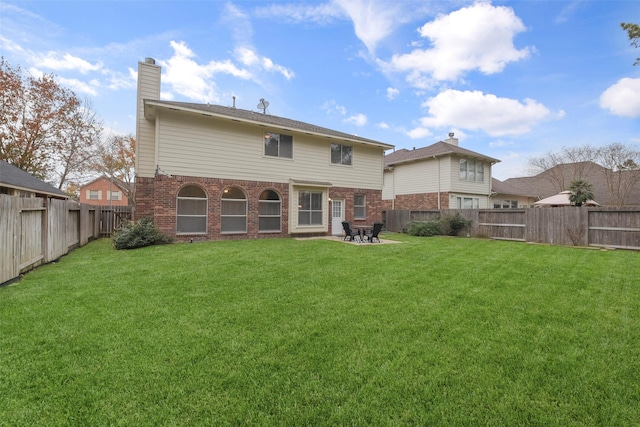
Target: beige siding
469, 187
388, 187
193, 145
293, 211
148, 88
416, 178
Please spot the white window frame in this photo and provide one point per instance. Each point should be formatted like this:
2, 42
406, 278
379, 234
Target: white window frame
360, 210
462, 201
471, 170
346, 159
225, 217
311, 211
280, 140
261, 216
191, 215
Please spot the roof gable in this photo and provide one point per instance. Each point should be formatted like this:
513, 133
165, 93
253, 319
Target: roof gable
438, 149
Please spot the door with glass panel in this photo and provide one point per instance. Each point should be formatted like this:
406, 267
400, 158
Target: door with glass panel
337, 216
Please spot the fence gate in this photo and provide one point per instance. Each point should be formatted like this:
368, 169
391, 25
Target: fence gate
112, 218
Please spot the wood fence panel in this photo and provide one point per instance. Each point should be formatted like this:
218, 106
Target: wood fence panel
9, 229
615, 228
57, 233
502, 224
73, 224
30, 239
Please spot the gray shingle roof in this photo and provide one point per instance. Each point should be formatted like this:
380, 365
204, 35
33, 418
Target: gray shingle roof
14, 177
506, 188
248, 116
438, 149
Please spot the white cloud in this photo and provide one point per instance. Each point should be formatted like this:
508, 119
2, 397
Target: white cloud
623, 98
296, 12
357, 119
475, 110
478, 37
392, 93
54, 61
383, 125
498, 143
418, 133
333, 106
251, 59
188, 78
78, 86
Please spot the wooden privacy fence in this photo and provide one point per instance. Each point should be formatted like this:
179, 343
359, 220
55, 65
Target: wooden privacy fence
112, 218
577, 226
35, 231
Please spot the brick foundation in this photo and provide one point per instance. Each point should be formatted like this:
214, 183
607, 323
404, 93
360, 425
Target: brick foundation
417, 202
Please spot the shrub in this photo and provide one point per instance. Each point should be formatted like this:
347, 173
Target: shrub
453, 224
139, 234
425, 229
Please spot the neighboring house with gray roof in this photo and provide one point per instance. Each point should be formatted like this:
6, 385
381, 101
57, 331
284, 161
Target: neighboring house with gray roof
209, 172
440, 176
507, 196
16, 182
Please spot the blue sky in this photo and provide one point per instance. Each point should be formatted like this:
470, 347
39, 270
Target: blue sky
512, 79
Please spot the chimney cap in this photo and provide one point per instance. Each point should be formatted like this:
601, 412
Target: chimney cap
451, 134
149, 60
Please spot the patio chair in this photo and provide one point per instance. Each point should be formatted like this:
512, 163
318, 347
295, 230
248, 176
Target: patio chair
349, 233
375, 231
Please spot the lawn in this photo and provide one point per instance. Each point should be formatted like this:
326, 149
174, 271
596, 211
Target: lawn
434, 331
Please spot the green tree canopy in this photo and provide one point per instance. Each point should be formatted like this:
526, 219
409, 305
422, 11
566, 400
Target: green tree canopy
633, 30
581, 192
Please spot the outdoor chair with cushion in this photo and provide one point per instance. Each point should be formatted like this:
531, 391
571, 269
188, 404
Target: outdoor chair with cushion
349, 233
375, 231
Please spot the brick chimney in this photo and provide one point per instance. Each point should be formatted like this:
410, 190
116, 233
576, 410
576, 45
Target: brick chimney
451, 140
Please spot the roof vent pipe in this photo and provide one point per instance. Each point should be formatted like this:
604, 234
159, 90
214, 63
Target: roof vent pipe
234, 101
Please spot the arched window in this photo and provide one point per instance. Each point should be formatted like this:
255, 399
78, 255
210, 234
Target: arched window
233, 218
191, 210
269, 211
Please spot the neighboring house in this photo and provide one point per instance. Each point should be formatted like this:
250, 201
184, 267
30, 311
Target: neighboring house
16, 182
103, 191
209, 172
440, 176
505, 196
609, 188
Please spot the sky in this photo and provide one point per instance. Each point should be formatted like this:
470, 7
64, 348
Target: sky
512, 79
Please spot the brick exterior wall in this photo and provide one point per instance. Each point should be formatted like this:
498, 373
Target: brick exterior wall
104, 186
157, 198
417, 202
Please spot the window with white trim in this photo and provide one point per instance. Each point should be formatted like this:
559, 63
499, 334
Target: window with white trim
114, 195
359, 206
93, 194
191, 212
341, 154
471, 170
269, 212
310, 208
278, 145
233, 207
467, 202
505, 204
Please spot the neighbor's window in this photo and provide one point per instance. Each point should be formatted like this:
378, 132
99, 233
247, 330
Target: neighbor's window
505, 204
233, 217
269, 211
359, 206
467, 202
114, 195
278, 145
471, 170
93, 195
310, 208
341, 154
191, 210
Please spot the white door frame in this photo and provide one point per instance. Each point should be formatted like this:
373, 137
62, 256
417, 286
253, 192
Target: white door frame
336, 222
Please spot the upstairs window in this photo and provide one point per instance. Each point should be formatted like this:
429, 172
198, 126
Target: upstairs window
360, 206
191, 210
93, 195
269, 211
233, 218
471, 170
341, 154
278, 145
114, 195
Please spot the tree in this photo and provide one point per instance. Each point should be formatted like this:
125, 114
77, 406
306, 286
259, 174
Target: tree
622, 177
581, 158
581, 192
115, 158
44, 128
633, 30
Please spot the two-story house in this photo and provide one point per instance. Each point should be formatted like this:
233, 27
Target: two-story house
440, 176
210, 172
104, 191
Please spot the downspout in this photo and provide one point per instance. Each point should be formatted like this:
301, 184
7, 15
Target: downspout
438, 159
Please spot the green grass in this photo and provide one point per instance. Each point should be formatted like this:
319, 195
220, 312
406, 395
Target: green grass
435, 331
